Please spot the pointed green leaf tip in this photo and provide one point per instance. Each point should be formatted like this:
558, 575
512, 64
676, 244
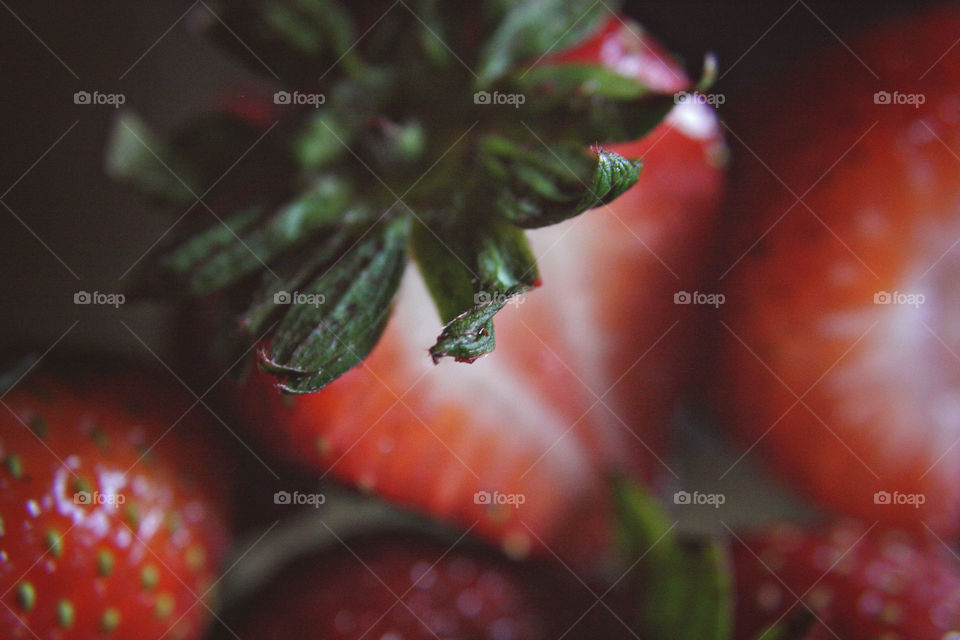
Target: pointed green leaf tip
685, 592
538, 187
586, 80
335, 322
137, 156
470, 335
472, 271
227, 252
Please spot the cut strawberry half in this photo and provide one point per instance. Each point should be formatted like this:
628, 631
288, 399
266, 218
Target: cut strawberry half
838, 358
586, 383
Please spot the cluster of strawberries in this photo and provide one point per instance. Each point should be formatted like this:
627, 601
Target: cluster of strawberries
831, 352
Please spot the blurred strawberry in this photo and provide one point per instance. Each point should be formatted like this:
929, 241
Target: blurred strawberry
839, 354
849, 581
412, 587
587, 370
112, 500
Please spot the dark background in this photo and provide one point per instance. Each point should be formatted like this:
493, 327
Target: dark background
99, 229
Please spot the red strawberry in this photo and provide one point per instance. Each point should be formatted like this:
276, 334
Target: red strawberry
111, 526
412, 587
847, 393
853, 581
526, 420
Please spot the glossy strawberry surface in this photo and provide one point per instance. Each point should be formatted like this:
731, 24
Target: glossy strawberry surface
393, 586
114, 514
850, 581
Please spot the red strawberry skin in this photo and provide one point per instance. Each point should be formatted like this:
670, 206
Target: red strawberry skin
860, 582
526, 420
881, 380
74, 561
393, 586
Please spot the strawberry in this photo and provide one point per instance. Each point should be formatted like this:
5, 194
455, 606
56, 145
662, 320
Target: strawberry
111, 525
408, 586
849, 581
425, 99
473, 142
838, 358
526, 420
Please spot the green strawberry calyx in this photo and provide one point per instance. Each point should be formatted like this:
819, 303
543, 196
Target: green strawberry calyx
441, 130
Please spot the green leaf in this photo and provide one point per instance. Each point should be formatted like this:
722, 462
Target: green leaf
590, 103
546, 186
326, 134
397, 145
341, 314
472, 271
686, 591
295, 39
324, 137
228, 252
584, 80
450, 281
504, 258
464, 264
310, 26
643, 523
137, 156
575, 117
470, 335
295, 271
431, 33
697, 585
533, 28
204, 246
